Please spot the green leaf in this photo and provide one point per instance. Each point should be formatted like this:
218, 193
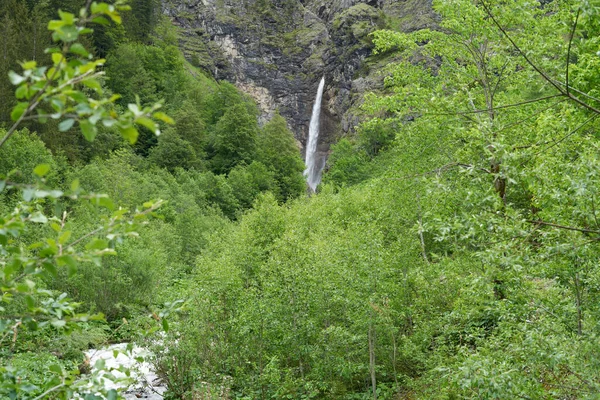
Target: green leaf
38, 217
97, 244
66, 125
15, 78
50, 267
42, 170
55, 368
163, 117
77, 48
58, 323
54, 25
18, 111
29, 65
165, 325
88, 130
30, 302
57, 58
100, 364
21, 92
115, 17
66, 17
106, 203
57, 105
133, 108
93, 84
101, 21
130, 133
69, 261
66, 235
67, 33
99, 8
148, 123
28, 194
23, 287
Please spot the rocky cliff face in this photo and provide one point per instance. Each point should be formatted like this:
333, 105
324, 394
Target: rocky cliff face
278, 50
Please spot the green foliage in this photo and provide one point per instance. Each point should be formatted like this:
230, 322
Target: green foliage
347, 164
247, 182
452, 255
233, 141
277, 150
140, 22
127, 74
38, 241
452, 251
173, 152
23, 153
214, 107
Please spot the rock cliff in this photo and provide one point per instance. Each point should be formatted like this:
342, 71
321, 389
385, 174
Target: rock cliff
278, 50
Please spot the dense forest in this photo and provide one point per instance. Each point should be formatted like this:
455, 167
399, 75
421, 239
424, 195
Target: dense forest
450, 252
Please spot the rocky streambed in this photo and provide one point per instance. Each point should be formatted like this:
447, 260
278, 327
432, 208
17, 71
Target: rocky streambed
147, 385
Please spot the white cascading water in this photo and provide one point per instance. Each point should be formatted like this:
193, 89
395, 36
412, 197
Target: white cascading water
313, 169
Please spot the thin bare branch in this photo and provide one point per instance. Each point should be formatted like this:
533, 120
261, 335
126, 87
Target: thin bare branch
519, 122
565, 137
573, 89
570, 228
33, 103
439, 171
47, 392
87, 235
569, 50
564, 92
478, 111
516, 46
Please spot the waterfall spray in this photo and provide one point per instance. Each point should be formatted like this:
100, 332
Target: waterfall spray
313, 170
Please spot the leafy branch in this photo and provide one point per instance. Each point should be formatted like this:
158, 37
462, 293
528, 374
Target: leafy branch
563, 91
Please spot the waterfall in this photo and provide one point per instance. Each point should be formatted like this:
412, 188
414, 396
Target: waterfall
313, 169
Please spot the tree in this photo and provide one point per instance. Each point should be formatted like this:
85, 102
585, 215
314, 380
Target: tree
277, 149
58, 93
173, 152
500, 136
248, 181
233, 141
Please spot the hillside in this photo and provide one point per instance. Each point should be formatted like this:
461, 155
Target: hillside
450, 251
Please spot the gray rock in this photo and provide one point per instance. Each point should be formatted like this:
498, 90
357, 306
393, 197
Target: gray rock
278, 50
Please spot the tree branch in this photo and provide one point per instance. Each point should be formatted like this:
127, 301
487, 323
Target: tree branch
478, 111
521, 52
569, 50
33, 103
87, 235
570, 228
546, 77
562, 139
47, 392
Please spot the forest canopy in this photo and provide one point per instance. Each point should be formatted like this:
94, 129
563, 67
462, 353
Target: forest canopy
451, 251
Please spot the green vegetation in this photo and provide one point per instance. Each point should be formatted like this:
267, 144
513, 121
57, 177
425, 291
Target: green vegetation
79, 270
36, 234
451, 252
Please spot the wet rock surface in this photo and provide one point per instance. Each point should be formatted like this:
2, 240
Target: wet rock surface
147, 384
